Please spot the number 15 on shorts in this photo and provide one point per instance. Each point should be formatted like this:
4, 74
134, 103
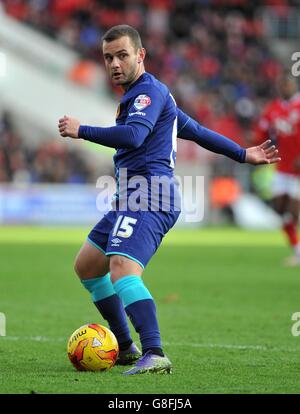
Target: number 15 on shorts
124, 226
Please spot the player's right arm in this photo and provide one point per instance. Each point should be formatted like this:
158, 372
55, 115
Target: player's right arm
130, 135
120, 136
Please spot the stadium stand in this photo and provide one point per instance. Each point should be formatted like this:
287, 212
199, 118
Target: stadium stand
50, 161
208, 52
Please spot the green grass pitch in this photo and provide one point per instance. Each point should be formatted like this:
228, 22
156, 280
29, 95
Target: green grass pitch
224, 305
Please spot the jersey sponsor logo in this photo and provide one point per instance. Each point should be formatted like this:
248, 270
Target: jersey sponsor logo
137, 113
115, 242
141, 102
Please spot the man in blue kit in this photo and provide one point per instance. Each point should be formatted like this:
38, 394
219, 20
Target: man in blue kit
111, 262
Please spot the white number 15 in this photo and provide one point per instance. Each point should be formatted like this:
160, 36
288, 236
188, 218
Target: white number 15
124, 226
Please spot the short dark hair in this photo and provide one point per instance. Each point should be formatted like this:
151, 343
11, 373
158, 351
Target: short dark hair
121, 30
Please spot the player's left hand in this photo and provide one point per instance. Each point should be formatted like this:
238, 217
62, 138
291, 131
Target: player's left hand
262, 154
68, 127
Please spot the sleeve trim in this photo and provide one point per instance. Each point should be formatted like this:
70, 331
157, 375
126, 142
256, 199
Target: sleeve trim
178, 132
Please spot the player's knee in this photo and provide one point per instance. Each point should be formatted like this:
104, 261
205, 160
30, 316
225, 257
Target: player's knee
79, 268
122, 266
116, 267
84, 269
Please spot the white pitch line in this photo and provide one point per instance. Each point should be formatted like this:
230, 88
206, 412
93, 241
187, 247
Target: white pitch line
33, 339
236, 346
227, 346
192, 345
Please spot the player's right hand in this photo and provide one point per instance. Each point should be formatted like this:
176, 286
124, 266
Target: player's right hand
68, 127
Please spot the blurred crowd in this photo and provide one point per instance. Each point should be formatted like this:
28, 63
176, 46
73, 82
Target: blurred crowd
50, 161
209, 52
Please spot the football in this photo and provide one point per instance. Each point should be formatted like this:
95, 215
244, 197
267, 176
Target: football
93, 347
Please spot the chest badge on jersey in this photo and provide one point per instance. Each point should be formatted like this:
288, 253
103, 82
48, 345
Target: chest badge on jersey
141, 102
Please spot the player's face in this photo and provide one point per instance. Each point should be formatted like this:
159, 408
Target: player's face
124, 64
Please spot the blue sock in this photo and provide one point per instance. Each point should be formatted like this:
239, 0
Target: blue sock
111, 308
140, 308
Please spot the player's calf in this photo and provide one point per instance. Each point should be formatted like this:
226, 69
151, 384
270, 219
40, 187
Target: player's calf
91, 265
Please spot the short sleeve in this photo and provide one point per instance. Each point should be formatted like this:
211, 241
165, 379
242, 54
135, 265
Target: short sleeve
146, 107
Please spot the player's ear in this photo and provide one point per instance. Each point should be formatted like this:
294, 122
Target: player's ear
141, 55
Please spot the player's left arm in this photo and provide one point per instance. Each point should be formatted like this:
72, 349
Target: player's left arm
190, 129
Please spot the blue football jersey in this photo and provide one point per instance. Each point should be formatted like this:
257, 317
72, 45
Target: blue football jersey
149, 102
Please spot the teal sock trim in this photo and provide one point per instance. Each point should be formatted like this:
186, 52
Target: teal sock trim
99, 287
131, 289
95, 245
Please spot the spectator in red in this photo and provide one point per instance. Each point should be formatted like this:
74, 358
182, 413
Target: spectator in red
280, 120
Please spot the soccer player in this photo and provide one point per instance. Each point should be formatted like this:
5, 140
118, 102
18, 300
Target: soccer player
111, 262
280, 120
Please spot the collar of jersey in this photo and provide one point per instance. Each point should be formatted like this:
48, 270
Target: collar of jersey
140, 79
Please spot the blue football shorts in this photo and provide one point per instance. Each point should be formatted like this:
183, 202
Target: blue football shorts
133, 234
